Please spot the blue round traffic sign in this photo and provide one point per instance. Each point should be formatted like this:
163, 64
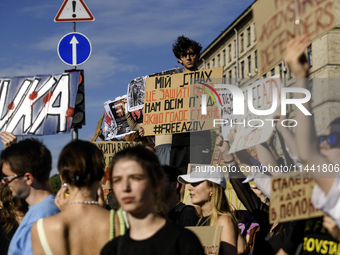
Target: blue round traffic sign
74, 49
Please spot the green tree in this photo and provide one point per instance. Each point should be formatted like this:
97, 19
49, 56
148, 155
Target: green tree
55, 183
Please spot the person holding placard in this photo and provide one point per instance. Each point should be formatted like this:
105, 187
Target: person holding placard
197, 145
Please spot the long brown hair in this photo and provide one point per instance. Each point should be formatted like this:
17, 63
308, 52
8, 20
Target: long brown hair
12, 209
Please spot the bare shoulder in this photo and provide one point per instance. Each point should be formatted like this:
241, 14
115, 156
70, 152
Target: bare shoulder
54, 223
224, 220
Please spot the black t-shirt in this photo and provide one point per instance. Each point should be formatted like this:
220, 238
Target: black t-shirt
183, 215
317, 240
169, 240
6, 239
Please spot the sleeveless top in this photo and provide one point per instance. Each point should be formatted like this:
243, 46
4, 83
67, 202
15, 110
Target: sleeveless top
46, 247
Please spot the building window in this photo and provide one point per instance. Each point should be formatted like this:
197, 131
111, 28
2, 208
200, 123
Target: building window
249, 65
208, 65
224, 57
242, 69
272, 72
256, 60
242, 42
265, 75
310, 55
230, 76
218, 60
235, 48
229, 49
224, 81
249, 36
280, 66
213, 63
290, 75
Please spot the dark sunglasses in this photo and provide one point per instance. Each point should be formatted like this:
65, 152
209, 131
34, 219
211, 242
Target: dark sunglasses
332, 139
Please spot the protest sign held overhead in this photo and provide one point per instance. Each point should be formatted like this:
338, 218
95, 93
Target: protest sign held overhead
178, 103
226, 109
252, 129
291, 198
115, 123
279, 21
38, 105
135, 94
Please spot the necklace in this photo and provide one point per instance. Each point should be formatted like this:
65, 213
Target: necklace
198, 223
84, 202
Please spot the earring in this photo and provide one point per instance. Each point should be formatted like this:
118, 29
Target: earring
210, 194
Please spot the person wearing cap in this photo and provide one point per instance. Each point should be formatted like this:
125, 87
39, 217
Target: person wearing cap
207, 191
181, 214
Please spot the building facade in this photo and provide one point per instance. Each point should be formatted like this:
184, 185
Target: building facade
235, 49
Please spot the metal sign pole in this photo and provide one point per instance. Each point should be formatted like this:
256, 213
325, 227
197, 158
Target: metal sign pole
74, 130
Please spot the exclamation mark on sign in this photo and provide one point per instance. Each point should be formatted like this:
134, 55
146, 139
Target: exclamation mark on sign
74, 8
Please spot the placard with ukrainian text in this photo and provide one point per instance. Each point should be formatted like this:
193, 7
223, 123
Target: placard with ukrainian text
182, 102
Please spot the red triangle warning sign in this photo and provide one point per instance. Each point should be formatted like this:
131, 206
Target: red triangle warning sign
72, 11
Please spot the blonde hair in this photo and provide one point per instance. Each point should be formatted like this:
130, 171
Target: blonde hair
219, 203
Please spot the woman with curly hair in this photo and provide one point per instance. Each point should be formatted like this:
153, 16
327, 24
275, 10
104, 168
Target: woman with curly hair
11, 213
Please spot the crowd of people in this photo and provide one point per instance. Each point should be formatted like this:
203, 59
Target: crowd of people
145, 213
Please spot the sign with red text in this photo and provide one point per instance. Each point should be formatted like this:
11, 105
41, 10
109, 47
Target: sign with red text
252, 128
173, 103
210, 238
291, 198
277, 22
109, 149
38, 105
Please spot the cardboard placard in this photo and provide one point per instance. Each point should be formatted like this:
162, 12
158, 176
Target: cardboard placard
210, 238
109, 149
277, 21
172, 103
253, 129
291, 198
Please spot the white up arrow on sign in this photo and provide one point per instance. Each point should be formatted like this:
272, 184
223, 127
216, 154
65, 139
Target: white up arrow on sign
74, 43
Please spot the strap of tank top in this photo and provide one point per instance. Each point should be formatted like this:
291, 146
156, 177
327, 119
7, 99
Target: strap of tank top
112, 224
121, 222
42, 237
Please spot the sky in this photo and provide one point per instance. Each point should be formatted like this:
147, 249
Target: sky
129, 39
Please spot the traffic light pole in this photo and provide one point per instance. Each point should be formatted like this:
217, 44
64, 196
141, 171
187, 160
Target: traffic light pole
74, 133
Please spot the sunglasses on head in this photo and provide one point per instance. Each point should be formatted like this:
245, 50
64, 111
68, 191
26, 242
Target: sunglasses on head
332, 139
